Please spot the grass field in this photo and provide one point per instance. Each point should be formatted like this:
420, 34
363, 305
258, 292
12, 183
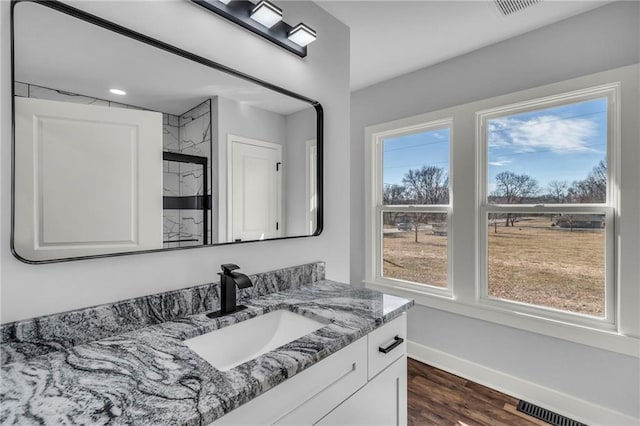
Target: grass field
531, 263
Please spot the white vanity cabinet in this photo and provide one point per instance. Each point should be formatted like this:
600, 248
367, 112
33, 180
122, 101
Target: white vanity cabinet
383, 400
358, 385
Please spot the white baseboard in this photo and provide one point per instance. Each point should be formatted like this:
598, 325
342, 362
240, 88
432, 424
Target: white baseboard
566, 405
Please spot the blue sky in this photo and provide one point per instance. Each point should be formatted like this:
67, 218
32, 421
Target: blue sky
414, 151
561, 143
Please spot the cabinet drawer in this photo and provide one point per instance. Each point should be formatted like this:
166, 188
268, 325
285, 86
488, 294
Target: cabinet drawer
314, 392
392, 338
349, 381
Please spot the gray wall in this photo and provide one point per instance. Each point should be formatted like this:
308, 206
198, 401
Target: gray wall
29, 291
291, 131
248, 122
301, 127
602, 39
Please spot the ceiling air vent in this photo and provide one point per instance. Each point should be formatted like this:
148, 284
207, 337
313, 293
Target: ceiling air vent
507, 7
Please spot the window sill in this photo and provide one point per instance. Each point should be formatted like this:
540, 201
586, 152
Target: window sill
601, 339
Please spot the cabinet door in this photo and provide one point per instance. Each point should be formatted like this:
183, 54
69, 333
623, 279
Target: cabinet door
383, 401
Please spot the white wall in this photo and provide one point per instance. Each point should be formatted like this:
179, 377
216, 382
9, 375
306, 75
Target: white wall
291, 131
28, 290
232, 118
602, 39
300, 129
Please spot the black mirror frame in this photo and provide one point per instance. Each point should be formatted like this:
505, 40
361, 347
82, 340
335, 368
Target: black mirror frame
118, 29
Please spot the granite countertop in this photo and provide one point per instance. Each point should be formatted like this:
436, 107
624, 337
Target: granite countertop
149, 376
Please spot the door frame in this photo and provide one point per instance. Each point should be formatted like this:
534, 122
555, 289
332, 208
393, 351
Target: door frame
231, 138
311, 178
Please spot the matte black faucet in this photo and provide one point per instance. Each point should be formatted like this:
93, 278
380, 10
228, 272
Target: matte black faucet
228, 282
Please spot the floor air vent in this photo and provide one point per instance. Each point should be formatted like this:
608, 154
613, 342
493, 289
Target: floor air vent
546, 415
507, 7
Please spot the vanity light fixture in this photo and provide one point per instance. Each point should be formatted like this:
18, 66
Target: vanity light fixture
267, 13
302, 35
264, 19
118, 92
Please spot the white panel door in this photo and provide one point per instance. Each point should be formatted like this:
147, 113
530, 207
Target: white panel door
88, 179
254, 189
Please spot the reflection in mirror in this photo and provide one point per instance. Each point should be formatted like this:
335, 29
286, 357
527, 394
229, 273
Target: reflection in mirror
185, 155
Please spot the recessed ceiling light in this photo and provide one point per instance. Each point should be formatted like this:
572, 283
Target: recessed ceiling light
302, 35
267, 13
119, 92
225, 1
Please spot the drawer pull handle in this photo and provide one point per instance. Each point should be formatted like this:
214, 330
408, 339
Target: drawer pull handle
397, 342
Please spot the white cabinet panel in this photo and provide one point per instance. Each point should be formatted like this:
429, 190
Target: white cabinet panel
385, 337
309, 395
106, 162
383, 401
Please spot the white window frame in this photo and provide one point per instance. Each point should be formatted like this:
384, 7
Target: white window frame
624, 338
608, 208
376, 207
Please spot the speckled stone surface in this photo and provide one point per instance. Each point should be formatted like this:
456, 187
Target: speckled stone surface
22, 340
149, 376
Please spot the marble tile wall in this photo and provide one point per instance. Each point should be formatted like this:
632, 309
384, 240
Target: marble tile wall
190, 134
195, 138
171, 228
28, 338
38, 92
171, 133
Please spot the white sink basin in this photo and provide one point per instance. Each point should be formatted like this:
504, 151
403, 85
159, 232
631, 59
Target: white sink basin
238, 343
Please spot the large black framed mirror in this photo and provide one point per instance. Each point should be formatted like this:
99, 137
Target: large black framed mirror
123, 144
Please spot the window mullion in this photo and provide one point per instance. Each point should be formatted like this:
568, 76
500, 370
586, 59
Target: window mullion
543, 209
417, 208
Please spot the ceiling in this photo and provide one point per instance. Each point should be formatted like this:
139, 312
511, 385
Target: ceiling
58, 51
391, 38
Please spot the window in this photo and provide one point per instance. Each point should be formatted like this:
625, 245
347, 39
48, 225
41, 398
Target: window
547, 207
413, 206
544, 233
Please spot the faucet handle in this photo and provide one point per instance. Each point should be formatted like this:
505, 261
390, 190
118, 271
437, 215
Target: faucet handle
228, 267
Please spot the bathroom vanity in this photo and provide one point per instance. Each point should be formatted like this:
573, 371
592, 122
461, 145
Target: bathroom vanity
113, 364
363, 384
303, 350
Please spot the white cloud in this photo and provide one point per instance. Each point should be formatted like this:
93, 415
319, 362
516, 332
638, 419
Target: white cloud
439, 135
500, 163
497, 140
545, 132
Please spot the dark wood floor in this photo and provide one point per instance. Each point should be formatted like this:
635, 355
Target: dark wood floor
439, 398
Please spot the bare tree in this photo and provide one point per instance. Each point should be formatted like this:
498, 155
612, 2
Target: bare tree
593, 189
558, 190
394, 194
513, 188
599, 175
427, 185
417, 220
